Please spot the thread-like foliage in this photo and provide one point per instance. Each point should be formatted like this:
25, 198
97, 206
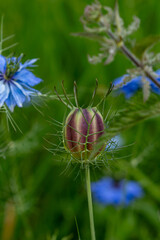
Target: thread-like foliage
132, 113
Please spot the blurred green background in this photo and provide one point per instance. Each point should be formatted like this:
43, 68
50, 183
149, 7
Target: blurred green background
39, 198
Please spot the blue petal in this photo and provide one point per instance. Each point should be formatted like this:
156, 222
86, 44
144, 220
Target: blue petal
103, 183
2, 86
134, 189
24, 91
116, 141
107, 191
5, 93
29, 90
128, 94
130, 87
12, 59
3, 64
158, 72
28, 63
17, 94
10, 102
27, 77
154, 87
119, 79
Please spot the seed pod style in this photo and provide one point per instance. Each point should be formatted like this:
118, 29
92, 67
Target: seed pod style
82, 129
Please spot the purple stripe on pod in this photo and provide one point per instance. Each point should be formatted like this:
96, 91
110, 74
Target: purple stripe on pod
84, 128
100, 127
92, 129
70, 133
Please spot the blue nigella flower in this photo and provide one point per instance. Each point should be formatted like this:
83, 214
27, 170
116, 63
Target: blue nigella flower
16, 82
107, 191
130, 88
115, 142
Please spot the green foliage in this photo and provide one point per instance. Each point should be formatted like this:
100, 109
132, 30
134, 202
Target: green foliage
31, 177
132, 113
54, 237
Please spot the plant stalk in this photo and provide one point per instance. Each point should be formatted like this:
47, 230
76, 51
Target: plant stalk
90, 204
132, 57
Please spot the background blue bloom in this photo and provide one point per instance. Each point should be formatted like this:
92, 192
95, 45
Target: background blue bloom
16, 82
107, 191
116, 141
130, 88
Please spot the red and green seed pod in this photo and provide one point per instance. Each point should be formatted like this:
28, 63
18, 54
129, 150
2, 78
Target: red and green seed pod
82, 129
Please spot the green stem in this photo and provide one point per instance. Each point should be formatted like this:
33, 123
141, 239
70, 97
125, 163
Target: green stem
90, 205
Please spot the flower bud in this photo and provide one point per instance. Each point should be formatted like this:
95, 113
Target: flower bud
82, 129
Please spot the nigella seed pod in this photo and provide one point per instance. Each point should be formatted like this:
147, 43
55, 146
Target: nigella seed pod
82, 129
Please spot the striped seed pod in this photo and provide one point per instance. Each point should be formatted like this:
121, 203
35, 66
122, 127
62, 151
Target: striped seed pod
82, 129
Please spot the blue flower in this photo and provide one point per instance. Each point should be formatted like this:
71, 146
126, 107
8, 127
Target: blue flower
107, 191
16, 82
116, 141
130, 88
